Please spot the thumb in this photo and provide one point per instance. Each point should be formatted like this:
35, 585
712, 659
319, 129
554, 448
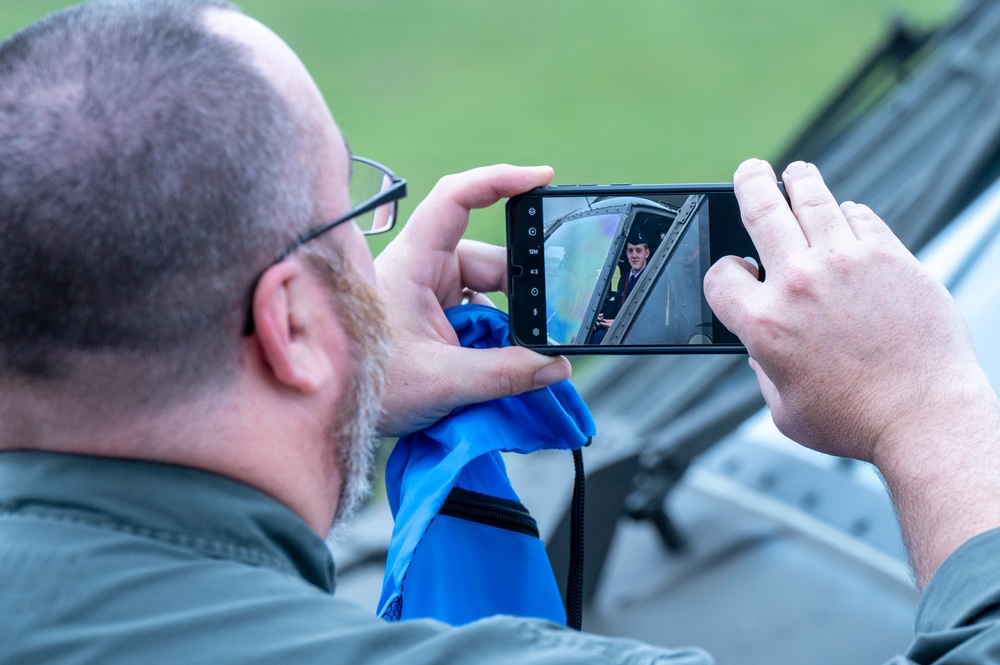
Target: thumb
506, 372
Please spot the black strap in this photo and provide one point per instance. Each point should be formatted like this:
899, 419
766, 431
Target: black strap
574, 585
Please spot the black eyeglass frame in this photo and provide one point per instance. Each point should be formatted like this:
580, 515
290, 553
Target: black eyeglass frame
392, 194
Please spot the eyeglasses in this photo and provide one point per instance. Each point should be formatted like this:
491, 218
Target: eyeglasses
375, 192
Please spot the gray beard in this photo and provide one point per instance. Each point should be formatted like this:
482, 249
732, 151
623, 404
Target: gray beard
353, 433
357, 442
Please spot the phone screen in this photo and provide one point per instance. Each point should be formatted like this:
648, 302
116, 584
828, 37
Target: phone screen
620, 269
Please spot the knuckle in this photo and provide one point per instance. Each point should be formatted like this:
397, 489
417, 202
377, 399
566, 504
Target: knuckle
814, 201
712, 277
841, 263
507, 380
800, 278
762, 328
446, 183
761, 208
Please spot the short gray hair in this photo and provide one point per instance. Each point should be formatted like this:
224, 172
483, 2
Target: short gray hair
148, 174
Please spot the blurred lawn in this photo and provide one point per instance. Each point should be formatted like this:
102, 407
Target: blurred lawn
664, 91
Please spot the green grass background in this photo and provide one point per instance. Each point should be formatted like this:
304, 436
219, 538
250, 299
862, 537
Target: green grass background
604, 91
624, 91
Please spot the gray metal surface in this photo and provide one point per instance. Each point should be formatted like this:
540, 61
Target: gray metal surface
750, 589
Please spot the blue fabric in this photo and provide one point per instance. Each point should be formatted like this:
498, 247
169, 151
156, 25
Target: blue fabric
459, 571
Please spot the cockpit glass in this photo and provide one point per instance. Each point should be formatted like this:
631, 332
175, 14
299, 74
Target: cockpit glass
575, 254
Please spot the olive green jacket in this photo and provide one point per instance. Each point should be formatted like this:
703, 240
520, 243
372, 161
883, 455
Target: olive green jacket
113, 561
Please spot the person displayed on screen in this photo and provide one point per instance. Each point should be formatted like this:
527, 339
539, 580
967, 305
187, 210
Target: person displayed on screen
637, 254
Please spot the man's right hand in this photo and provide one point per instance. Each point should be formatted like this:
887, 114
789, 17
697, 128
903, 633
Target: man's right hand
860, 352
840, 331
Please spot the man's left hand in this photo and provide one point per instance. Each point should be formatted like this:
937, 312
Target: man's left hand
429, 268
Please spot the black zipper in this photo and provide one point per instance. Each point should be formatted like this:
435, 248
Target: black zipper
489, 510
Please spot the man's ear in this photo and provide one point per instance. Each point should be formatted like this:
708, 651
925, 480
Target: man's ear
294, 324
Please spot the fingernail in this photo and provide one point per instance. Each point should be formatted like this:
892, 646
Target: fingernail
549, 374
796, 167
750, 163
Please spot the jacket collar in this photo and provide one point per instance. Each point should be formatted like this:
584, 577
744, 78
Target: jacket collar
217, 516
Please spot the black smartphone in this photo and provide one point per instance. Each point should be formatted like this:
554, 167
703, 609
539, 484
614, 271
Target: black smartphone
603, 269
